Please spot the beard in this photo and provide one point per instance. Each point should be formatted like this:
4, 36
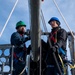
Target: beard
21, 32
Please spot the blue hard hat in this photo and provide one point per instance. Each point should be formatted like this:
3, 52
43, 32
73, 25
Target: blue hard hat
54, 19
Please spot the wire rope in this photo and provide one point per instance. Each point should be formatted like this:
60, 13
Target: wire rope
8, 18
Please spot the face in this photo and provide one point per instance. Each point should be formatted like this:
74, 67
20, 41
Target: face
21, 29
53, 24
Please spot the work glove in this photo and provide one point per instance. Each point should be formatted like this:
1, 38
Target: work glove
28, 35
54, 48
27, 32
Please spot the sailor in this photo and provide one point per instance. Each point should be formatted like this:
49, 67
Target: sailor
58, 39
18, 39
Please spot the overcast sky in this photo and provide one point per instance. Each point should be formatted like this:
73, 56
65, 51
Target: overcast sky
21, 12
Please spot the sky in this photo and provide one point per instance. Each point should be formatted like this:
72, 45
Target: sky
21, 12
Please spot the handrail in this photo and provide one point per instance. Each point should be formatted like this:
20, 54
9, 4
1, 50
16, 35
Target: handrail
3, 47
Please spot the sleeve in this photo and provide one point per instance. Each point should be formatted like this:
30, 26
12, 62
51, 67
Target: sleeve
61, 37
16, 39
27, 38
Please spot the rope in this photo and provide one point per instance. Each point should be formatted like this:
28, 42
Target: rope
43, 21
71, 66
45, 28
62, 64
8, 18
63, 18
23, 70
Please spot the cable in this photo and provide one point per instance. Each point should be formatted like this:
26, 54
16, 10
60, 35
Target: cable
43, 21
23, 70
45, 28
8, 18
63, 18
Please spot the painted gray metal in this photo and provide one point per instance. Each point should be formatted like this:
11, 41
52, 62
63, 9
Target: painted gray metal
34, 6
72, 49
4, 47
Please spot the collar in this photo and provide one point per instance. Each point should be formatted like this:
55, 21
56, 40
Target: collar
55, 29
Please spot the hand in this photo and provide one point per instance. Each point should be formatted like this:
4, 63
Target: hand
53, 49
28, 32
28, 49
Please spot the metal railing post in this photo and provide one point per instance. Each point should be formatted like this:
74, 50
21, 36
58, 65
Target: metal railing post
12, 50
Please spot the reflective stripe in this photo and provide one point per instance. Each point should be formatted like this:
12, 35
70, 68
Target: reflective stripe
50, 66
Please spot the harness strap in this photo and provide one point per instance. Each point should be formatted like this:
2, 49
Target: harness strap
15, 56
62, 64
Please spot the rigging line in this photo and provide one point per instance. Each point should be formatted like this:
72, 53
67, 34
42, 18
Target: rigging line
45, 28
43, 21
8, 18
63, 17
